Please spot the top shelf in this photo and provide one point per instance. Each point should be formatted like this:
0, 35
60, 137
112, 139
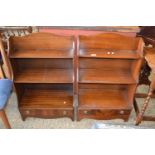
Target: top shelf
109, 45
41, 45
42, 54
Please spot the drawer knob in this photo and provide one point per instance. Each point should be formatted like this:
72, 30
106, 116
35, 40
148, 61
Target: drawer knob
27, 112
64, 113
122, 112
93, 55
112, 53
108, 53
85, 112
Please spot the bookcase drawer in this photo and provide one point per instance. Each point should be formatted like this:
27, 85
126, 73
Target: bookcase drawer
105, 114
45, 100
46, 113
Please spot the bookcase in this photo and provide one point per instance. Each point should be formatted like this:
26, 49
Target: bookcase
43, 72
108, 72
92, 77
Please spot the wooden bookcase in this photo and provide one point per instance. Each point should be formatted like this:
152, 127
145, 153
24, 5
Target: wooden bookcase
108, 72
59, 76
43, 72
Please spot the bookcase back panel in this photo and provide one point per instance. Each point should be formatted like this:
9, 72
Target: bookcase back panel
109, 53
103, 99
41, 41
112, 98
108, 41
127, 89
91, 63
41, 54
43, 63
55, 86
43, 70
103, 86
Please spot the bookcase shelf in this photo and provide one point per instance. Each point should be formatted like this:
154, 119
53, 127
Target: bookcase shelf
45, 100
105, 76
103, 99
44, 75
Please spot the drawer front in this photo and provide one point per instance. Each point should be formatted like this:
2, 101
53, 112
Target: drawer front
103, 114
47, 113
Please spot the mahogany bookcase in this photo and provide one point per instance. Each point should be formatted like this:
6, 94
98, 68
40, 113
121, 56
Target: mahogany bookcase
61, 76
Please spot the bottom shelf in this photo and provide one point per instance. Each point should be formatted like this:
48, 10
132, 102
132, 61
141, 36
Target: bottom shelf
103, 99
104, 104
56, 100
39, 101
46, 98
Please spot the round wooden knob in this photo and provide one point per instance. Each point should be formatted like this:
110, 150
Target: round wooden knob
122, 112
85, 112
93, 55
27, 112
64, 113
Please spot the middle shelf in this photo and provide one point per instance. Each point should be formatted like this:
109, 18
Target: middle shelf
112, 71
44, 75
43, 70
105, 76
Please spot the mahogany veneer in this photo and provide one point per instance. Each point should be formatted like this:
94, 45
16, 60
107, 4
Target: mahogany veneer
43, 72
95, 79
103, 99
45, 100
108, 67
44, 76
99, 76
